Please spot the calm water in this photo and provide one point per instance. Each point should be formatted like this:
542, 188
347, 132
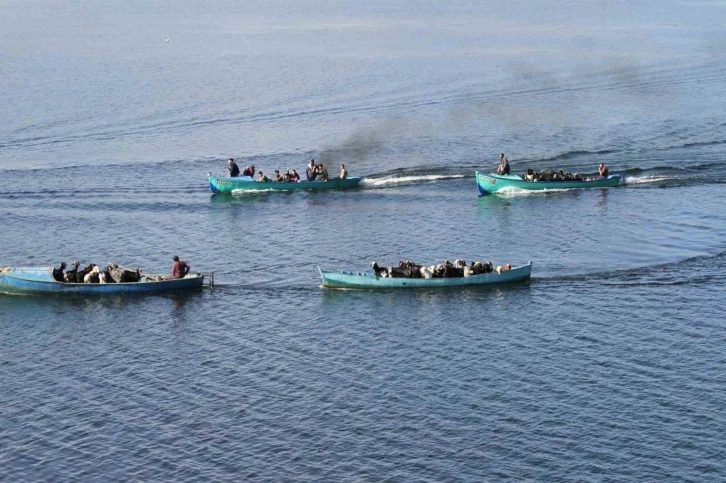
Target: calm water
607, 366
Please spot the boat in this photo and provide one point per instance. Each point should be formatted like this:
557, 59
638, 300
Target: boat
225, 184
491, 183
39, 280
367, 280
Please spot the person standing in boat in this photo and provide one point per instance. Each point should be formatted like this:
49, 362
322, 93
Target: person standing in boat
179, 268
311, 172
503, 167
603, 170
343, 172
232, 168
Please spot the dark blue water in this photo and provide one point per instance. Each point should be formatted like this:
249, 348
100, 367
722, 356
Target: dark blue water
608, 365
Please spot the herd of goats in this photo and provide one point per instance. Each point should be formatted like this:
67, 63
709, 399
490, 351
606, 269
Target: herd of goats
92, 273
409, 269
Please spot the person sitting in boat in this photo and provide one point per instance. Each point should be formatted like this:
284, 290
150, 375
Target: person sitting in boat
249, 171
603, 170
262, 178
277, 177
321, 171
179, 268
343, 172
311, 171
294, 177
232, 168
58, 272
503, 167
530, 176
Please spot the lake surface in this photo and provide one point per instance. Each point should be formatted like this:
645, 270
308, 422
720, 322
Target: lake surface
607, 366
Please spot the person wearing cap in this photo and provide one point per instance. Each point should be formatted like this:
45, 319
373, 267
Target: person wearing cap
343, 172
232, 168
602, 170
179, 269
503, 167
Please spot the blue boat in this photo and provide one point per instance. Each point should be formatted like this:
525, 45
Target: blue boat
367, 280
491, 183
39, 280
225, 184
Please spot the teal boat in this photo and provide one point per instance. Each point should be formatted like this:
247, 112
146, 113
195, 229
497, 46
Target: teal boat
491, 183
367, 280
39, 280
223, 184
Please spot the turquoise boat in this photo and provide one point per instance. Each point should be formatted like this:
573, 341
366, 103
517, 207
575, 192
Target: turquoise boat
491, 183
367, 280
39, 280
223, 184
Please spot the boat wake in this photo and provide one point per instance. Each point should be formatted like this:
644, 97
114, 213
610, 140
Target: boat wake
397, 180
417, 175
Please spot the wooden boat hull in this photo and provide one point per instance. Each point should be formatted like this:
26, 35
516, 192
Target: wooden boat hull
366, 280
39, 280
245, 183
491, 183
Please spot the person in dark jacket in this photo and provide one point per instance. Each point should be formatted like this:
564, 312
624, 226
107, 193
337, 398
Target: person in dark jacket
311, 171
232, 168
249, 171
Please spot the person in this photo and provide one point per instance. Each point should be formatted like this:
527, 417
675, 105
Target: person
603, 170
232, 168
343, 172
294, 177
321, 171
262, 178
311, 171
249, 171
503, 167
277, 177
530, 175
179, 269
58, 272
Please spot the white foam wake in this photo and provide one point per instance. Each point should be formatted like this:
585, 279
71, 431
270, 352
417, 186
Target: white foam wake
653, 178
402, 180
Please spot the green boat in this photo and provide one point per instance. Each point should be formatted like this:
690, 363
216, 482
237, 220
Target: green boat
223, 184
367, 280
491, 183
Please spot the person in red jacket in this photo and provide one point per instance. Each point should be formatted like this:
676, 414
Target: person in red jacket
179, 269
